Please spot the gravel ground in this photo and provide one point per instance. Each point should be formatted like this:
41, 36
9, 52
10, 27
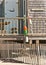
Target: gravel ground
8, 63
27, 61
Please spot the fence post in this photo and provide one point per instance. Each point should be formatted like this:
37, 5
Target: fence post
37, 48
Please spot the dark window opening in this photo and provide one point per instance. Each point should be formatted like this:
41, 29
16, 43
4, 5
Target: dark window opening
33, 41
42, 41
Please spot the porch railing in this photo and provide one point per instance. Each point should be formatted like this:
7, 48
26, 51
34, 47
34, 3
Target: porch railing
10, 26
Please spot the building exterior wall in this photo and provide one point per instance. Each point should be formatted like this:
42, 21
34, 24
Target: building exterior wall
11, 11
37, 13
34, 9
2, 13
8, 9
2, 8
